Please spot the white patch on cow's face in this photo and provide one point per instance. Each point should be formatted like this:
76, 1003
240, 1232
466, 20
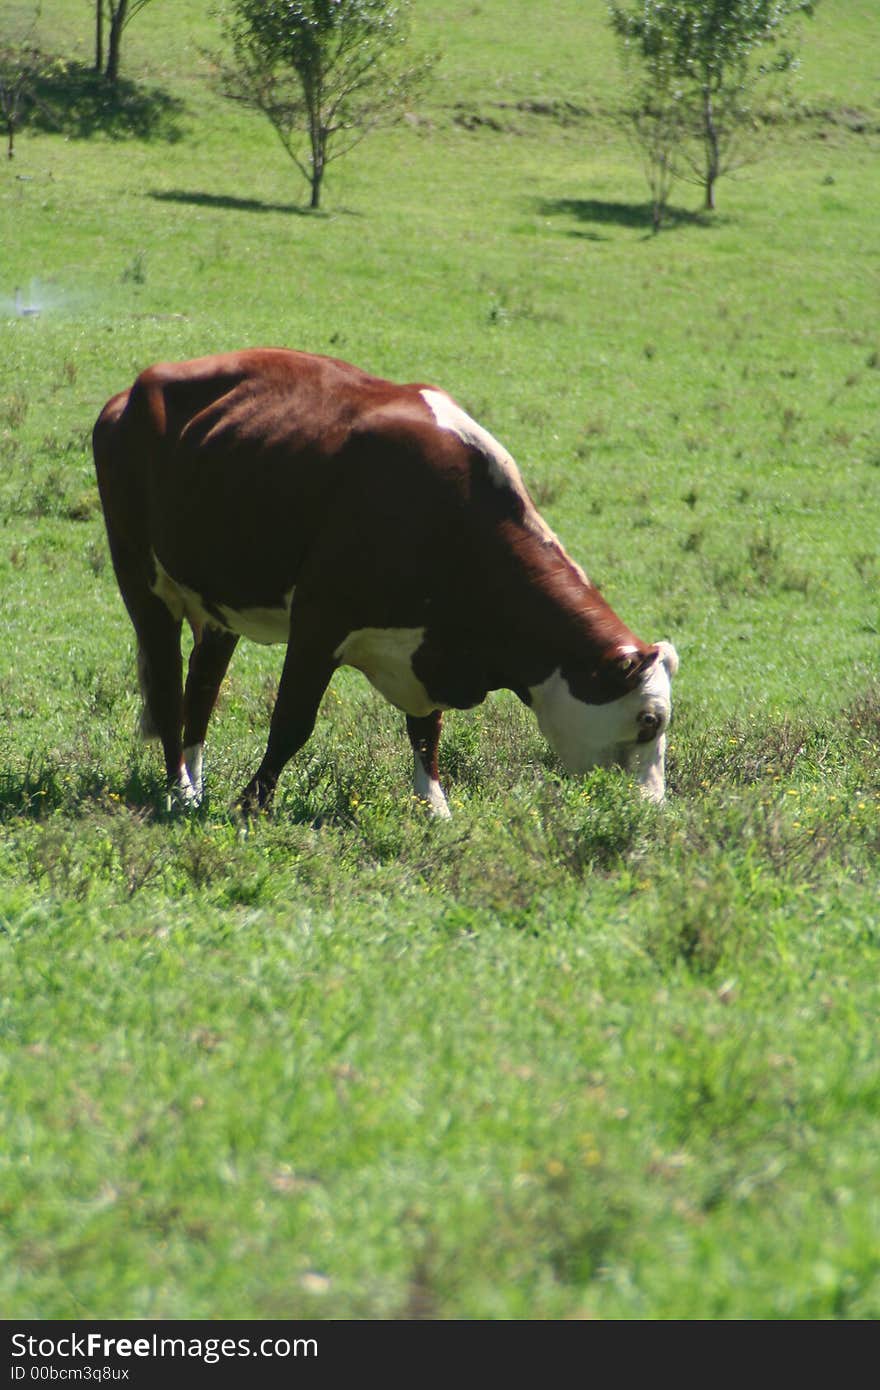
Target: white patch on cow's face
385, 654
586, 736
265, 625
429, 790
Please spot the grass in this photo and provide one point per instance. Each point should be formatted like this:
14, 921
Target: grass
567, 1055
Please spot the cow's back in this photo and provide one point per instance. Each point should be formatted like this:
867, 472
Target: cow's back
236, 469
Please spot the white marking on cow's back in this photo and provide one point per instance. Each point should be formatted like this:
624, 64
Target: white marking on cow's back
449, 416
384, 655
502, 468
265, 625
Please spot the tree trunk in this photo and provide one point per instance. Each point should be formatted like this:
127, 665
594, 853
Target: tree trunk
713, 157
99, 36
318, 142
117, 22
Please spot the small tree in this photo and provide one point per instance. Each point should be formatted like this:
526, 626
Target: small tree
20, 65
710, 48
324, 72
656, 124
655, 118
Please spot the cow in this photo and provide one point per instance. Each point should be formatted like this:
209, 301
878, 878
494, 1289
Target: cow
293, 498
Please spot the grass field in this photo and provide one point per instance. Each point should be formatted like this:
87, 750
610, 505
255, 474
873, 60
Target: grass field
567, 1055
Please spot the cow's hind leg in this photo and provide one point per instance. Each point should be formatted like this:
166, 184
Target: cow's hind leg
308, 666
208, 661
424, 735
161, 682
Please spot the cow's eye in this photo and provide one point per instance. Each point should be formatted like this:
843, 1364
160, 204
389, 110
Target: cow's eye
649, 725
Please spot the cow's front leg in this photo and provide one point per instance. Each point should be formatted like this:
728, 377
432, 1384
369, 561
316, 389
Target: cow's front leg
304, 678
424, 735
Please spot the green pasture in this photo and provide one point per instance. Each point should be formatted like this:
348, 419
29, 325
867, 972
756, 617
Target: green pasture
567, 1055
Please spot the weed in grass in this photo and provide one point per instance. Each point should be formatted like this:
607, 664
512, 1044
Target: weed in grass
740, 754
712, 928
84, 506
135, 272
761, 569
790, 419
43, 496
591, 432
34, 790
861, 719
96, 557
867, 567
14, 409
547, 491
763, 556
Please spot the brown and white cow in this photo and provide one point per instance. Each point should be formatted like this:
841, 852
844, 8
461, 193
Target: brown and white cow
291, 498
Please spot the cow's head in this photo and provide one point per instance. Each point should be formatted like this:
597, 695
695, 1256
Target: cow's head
616, 714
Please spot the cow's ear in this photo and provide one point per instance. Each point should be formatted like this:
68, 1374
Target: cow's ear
669, 657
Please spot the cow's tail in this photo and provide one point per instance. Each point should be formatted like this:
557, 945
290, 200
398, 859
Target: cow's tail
149, 728
121, 517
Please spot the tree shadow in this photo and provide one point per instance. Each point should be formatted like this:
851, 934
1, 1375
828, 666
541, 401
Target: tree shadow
231, 203
224, 200
636, 215
71, 99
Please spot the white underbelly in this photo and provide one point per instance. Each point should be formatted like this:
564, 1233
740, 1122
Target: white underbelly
266, 625
385, 657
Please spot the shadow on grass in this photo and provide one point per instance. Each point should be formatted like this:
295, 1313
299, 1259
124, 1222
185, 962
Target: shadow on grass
227, 201
50, 783
636, 215
71, 99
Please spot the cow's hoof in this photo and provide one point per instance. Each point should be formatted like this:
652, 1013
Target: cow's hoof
181, 801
